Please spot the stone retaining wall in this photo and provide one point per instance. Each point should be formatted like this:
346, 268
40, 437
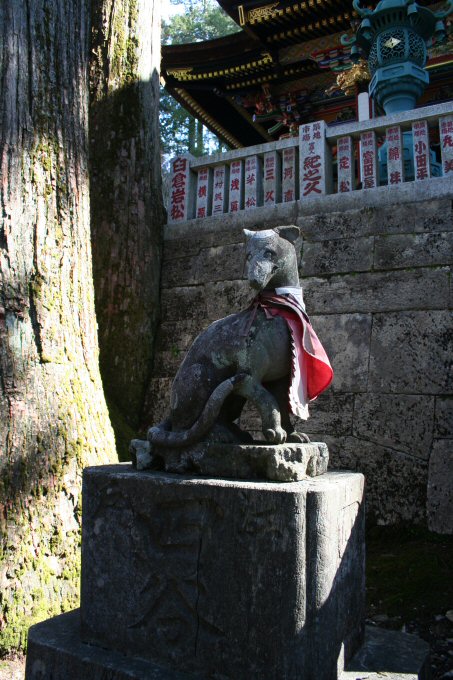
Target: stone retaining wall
377, 284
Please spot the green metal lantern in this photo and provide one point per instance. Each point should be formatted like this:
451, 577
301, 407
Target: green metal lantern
394, 38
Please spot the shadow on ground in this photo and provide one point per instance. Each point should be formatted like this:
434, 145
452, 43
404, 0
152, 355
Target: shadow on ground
410, 588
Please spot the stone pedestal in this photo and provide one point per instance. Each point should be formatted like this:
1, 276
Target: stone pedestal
242, 579
230, 579
185, 578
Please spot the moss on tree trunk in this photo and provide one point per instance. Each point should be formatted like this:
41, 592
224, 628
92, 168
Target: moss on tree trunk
53, 416
126, 200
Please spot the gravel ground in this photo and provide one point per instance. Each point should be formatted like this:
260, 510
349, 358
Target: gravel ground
12, 668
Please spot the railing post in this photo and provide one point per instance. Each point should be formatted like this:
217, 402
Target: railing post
315, 161
236, 192
289, 175
271, 178
181, 200
345, 164
253, 184
219, 192
446, 144
368, 160
395, 160
422, 162
204, 192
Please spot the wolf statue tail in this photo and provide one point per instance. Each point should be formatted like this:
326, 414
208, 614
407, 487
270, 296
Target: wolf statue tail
160, 436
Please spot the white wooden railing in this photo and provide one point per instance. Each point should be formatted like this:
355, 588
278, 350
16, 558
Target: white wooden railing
320, 161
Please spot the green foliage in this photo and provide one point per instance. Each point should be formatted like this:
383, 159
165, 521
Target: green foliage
201, 20
181, 132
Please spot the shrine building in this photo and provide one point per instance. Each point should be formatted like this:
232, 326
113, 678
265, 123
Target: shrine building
284, 67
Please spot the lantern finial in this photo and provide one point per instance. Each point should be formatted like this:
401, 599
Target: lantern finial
363, 11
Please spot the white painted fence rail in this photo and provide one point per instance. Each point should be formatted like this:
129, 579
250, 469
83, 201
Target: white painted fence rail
302, 168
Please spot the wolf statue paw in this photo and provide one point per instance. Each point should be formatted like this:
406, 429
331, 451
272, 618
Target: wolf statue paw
298, 438
277, 436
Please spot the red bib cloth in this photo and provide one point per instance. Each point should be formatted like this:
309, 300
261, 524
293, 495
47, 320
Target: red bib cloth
311, 370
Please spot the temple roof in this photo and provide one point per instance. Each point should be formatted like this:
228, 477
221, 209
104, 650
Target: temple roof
285, 23
277, 69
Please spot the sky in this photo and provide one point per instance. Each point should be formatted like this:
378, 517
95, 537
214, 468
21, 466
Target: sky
168, 10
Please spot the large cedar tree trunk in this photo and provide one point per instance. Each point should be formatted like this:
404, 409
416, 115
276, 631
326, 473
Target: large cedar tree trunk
126, 200
53, 417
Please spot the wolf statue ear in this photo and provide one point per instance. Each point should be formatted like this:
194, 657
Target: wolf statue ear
290, 233
248, 233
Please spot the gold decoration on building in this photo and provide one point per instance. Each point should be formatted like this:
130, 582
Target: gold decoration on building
180, 73
186, 74
257, 14
359, 73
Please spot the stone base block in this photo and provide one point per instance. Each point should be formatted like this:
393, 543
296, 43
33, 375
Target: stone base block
55, 651
391, 655
278, 463
229, 579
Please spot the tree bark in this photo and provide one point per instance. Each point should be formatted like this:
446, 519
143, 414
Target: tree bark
53, 416
126, 200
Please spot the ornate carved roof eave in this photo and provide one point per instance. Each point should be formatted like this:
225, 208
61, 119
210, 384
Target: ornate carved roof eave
240, 79
218, 74
264, 17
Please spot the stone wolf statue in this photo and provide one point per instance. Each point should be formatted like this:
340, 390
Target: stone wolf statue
268, 354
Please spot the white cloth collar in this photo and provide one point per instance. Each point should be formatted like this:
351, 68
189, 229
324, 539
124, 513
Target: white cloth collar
295, 291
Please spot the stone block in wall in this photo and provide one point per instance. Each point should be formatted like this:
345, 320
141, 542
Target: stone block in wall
183, 302
178, 335
434, 215
226, 297
329, 413
402, 422
264, 217
413, 250
338, 225
395, 482
440, 489
426, 216
194, 240
378, 291
337, 256
180, 271
411, 353
346, 338
443, 420
221, 263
